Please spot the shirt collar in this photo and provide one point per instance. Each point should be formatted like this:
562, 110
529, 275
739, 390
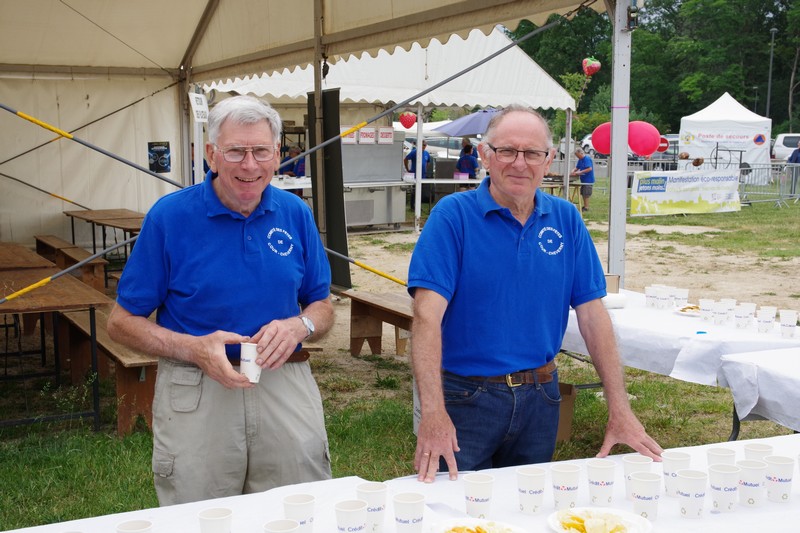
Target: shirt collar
543, 204
215, 207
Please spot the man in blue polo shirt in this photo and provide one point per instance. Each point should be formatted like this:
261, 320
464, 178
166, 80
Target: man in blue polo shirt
584, 168
493, 276
223, 262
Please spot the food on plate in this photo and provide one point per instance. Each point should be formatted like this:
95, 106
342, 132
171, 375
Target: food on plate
690, 309
488, 527
590, 521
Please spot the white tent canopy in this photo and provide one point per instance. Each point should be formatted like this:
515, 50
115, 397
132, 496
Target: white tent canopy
512, 77
724, 131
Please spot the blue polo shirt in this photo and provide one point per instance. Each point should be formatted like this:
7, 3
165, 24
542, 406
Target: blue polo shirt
204, 267
584, 163
509, 288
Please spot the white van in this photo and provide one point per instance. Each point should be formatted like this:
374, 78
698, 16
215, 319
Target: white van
785, 144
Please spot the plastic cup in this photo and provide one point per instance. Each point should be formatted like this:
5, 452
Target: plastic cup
284, 525
780, 471
565, 477
755, 451
530, 485
351, 515
788, 323
671, 462
300, 507
750, 307
680, 297
730, 305
723, 480
718, 455
663, 298
742, 317
650, 298
765, 319
374, 493
600, 474
408, 511
646, 491
478, 494
135, 526
215, 520
720, 313
691, 492
247, 363
706, 309
752, 481
634, 463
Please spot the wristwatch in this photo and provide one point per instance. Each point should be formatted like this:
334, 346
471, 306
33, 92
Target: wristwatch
309, 326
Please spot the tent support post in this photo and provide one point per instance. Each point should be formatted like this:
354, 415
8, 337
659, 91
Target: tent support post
418, 175
319, 176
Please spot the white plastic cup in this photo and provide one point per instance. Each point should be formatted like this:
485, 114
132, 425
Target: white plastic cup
720, 313
409, 508
663, 298
565, 477
351, 516
718, 455
600, 474
742, 317
634, 463
247, 363
788, 323
769, 309
478, 494
646, 491
780, 471
374, 493
706, 308
723, 480
765, 319
285, 525
530, 485
135, 526
730, 305
650, 297
691, 492
680, 297
671, 462
750, 307
215, 520
756, 451
300, 507
752, 482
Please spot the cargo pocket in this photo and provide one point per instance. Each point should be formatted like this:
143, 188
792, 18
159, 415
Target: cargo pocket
185, 388
163, 463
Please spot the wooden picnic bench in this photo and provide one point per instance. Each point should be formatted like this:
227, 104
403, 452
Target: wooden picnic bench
92, 273
46, 246
368, 312
134, 371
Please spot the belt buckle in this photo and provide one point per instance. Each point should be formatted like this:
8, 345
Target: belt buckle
510, 383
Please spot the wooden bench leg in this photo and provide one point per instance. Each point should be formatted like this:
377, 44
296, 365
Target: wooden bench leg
364, 327
401, 340
135, 390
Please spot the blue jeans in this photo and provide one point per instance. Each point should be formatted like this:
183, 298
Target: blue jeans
497, 425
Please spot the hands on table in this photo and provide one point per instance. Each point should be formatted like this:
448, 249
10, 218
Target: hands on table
628, 430
436, 437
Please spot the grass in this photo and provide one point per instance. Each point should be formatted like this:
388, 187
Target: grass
57, 472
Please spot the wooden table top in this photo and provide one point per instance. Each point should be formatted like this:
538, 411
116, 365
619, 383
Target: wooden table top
125, 224
92, 215
15, 256
61, 294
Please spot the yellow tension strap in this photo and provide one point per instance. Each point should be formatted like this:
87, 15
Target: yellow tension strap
378, 272
27, 289
45, 125
351, 130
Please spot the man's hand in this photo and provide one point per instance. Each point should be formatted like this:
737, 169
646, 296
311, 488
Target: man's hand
278, 340
209, 355
628, 430
436, 438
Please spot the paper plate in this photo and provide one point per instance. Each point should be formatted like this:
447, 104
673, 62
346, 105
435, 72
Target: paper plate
687, 311
634, 522
492, 526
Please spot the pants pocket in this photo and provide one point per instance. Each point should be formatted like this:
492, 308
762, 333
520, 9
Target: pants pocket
185, 388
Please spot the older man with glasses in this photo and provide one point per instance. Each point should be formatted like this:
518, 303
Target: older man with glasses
227, 261
493, 276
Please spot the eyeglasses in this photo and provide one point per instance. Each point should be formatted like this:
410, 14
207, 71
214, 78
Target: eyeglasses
509, 155
236, 154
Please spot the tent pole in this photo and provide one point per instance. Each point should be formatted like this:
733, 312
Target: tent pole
418, 167
319, 177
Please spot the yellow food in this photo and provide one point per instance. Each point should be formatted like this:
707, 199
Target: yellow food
590, 521
489, 527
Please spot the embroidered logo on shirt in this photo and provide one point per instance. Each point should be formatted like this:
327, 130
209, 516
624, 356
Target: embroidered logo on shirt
280, 242
551, 241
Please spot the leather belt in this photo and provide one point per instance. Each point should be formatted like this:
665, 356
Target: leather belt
543, 374
299, 356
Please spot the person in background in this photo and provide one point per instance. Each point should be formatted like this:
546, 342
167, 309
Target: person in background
410, 164
509, 261
298, 168
226, 261
584, 168
468, 163
794, 161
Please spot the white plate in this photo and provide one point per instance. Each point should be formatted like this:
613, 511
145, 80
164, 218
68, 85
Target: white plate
634, 522
687, 312
446, 525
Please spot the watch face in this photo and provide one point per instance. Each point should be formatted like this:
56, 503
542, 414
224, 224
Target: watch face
309, 325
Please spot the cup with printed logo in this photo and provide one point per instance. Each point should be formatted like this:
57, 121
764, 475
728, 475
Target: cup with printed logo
215, 520
780, 471
706, 309
757, 451
720, 455
680, 297
634, 463
671, 462
247, 362
720, 313
409, 509
650, 296
300, 507
530, 485
752, 482
691, 492
730, 305
750, 307
788, 323
600, 474
646, 492
565, 478
284, 525
374, 493
723, 480
765, 320
478, 494
351, 516
742, 317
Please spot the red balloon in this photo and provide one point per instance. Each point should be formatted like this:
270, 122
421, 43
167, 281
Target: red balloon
643, 138
601, 138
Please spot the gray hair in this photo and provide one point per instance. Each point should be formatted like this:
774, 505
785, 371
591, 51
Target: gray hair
514, 108
243, 110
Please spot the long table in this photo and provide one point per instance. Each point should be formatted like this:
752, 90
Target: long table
444, 501
14, 256
124, 219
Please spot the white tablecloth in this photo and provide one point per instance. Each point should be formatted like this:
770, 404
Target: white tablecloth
445, 500
673, 344
765, 384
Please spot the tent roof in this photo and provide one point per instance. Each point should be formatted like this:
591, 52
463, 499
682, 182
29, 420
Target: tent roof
218, 38
511, 77
726, 108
